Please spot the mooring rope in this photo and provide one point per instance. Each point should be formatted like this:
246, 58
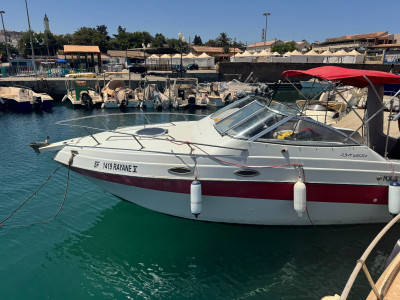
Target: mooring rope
37, 190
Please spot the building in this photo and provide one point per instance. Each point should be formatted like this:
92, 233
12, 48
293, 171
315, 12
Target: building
387, 54
259, 46
12, 37
213, 51
46, 23
359, 42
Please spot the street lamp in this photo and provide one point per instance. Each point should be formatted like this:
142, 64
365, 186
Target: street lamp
30, 35
182, 40
5, 36
265, 31
234, 49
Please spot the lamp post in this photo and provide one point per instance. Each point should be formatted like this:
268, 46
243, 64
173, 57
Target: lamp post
265, 31
30, 35
234, 49
182, 40
4, 31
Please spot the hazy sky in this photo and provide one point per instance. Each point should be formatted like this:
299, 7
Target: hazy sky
308, 19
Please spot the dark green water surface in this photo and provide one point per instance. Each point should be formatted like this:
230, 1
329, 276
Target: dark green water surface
100, 247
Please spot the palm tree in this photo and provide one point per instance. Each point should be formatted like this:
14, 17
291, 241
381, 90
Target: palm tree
223, 40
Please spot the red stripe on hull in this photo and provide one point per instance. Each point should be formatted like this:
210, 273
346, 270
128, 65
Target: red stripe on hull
335, 193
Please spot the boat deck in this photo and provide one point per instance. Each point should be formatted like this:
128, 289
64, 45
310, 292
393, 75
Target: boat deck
388, 284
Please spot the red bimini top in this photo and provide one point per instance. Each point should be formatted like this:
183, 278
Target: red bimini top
353, 77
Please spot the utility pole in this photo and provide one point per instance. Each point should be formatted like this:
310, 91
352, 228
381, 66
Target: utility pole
265, 31
5, 36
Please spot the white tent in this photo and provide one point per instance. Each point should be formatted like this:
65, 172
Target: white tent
165, 59
262, 56
358, 57
153, 60
245, 57
176, 59
205, 60
189, 59
294, 52
314, 57
296, 57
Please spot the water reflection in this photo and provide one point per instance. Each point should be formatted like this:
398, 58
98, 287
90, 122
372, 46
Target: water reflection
136, 252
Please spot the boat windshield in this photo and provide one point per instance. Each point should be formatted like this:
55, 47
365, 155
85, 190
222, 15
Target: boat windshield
260, 120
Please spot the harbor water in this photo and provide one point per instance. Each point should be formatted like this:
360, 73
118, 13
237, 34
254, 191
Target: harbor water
100, 247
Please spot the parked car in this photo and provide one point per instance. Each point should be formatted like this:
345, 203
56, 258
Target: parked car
177, 68
192, 67
138, 69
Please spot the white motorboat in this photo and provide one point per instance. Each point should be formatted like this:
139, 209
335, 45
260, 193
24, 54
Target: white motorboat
117, 95
80, 95
314, 84
254, 161
332, 104
23, 99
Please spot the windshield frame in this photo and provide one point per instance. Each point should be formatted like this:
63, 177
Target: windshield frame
287, 117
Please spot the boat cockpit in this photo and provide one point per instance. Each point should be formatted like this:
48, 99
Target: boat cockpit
261, 120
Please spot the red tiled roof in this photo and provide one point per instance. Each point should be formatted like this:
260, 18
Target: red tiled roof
358, 37
260, 44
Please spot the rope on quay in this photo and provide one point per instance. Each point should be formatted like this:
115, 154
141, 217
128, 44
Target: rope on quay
36, 191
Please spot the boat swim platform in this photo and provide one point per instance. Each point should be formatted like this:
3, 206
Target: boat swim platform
352, 121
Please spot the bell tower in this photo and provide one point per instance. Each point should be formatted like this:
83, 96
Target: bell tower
46, 23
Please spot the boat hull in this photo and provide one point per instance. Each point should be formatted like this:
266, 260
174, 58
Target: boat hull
19, 106
225, 202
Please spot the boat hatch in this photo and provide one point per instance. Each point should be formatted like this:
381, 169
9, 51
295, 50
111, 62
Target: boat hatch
152, 131
263, 121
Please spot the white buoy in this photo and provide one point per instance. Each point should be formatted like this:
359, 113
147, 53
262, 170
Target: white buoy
394, 197
195, 198
299, 198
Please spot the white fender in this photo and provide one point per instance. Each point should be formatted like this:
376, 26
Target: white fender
394, 198
195, 198
299, 198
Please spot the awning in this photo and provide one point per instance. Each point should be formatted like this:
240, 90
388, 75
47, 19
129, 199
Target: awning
353, 77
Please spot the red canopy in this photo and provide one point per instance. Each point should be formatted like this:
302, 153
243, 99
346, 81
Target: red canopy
353, 77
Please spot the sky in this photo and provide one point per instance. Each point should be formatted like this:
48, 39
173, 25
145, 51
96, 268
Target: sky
289, 20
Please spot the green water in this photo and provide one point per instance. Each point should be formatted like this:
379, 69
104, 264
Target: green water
100, 247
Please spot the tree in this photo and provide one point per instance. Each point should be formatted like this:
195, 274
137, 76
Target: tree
159, 40
197, 41
90, 36
223, 40
211, 43
226, 49
102, 29
3, 50
283, 48
174, 43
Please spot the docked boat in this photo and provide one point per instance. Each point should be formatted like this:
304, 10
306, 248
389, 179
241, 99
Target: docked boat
117, 95
332, 104
80, 95
314, 84
254, 161
23, 99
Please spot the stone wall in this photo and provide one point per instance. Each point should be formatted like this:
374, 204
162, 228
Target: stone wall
271, 72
